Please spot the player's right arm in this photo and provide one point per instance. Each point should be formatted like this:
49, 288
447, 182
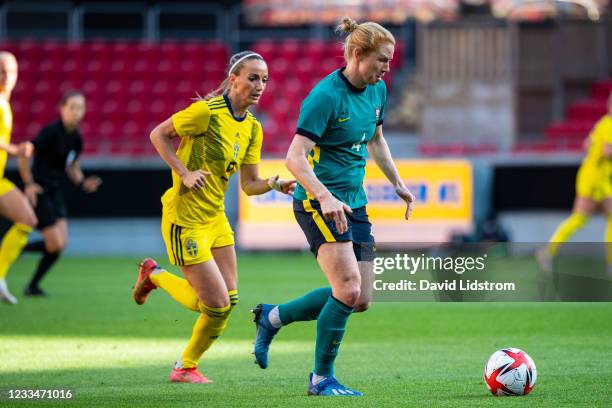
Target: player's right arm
297, 163
189, 122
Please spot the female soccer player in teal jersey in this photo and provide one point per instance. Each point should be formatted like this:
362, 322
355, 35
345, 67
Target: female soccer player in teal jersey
340, 118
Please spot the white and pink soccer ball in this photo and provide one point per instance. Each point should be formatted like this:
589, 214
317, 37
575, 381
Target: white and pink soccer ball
510, 371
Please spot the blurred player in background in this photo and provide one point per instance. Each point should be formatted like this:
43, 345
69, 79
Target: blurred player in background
340, 118
56, 152
219, 136
13, 204
593, 190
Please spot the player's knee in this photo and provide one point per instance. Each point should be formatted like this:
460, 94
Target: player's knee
217, 302
348, 294
53, 247
29, 219
361, 306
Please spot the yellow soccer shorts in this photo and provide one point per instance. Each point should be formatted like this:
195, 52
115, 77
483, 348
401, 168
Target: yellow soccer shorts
590, 184
5, 186
190, 246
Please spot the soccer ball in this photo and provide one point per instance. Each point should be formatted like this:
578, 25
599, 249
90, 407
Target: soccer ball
510, 371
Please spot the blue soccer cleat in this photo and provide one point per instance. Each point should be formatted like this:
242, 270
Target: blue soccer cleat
264, 335
330, 387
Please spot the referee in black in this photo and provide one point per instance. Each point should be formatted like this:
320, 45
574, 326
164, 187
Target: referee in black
56, 152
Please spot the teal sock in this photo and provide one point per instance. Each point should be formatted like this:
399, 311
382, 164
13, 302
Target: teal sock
304, 308
330, 330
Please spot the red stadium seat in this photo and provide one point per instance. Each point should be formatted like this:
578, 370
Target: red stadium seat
160, 87
266, 48
289, 49
314, 50
135, 107
50, 69
137, 87
141, 69
91, 87
98, 50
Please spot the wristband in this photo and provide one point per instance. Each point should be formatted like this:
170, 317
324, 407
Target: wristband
274, 183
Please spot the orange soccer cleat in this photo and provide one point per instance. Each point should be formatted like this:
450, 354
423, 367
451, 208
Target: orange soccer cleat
188, 375
144, 285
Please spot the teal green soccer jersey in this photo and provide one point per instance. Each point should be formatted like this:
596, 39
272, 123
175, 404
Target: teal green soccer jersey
341, 120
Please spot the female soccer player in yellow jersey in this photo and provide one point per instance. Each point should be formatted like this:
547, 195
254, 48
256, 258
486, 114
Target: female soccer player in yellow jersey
219, 136
13, 203
593, 189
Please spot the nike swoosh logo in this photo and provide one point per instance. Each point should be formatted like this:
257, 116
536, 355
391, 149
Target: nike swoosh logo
343, 119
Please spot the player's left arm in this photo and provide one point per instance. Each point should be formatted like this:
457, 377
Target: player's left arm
23, 149
89, 184
379, 150
252, 184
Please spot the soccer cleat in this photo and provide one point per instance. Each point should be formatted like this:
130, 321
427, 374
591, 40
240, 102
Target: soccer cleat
188, 375
264, 334
143, 285
5, 295
545, 261
330, 387
34, 291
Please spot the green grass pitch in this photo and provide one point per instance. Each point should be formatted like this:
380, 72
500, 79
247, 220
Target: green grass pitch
90, 336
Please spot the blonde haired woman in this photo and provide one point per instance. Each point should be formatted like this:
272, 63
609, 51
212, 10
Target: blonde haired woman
341, 118
219, 136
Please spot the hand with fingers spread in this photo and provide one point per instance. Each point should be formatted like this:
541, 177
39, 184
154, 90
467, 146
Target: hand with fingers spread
408, 197
195, 179
334, 209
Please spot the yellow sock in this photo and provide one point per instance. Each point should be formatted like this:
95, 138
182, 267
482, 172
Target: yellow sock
209, 326
564, 232
178, 288
233, 296
609, 240
12, 244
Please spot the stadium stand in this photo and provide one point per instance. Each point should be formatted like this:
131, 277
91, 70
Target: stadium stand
131, 86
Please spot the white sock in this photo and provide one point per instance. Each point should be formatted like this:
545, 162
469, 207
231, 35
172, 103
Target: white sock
157, 271
316, 379
274, 318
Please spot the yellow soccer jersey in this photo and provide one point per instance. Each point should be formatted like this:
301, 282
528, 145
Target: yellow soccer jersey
600, 135
212, 139
6, 126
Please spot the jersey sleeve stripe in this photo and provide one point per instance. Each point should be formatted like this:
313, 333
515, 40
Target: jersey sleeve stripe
310, 135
